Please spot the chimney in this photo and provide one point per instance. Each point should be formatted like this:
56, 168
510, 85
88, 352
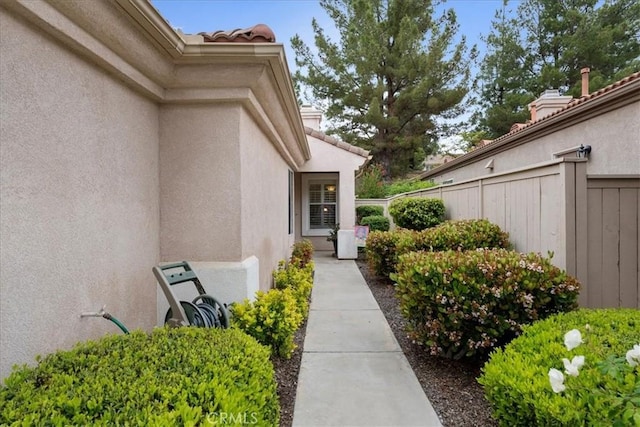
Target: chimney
311, 117
532, 108
585, 81
548, 103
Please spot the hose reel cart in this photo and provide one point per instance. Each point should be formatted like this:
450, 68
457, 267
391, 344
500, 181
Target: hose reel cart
204, 311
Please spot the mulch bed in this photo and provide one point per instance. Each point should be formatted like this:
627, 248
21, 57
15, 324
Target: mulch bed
450, 385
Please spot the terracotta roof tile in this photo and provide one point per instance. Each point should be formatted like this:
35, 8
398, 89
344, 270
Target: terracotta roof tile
260, 33
335, 141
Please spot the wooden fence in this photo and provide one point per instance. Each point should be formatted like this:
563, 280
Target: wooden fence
590, 224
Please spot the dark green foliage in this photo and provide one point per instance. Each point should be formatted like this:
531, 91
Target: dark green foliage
395, 69
368, 210
183, 376
463, 235
417, 213
606, 391
383, 246
405, 186
376, 222
543, 44
383, 249
463, 304
370, 184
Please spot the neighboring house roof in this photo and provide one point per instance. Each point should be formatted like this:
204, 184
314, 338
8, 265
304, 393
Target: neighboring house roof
520, 129
260, 33
335, 141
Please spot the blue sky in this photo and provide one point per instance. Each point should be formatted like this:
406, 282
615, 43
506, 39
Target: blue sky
289, 17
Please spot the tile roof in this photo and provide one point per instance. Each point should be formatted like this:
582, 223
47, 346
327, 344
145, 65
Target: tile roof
260, 33
335, 141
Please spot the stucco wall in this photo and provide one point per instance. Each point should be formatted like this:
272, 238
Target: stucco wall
79, 210
200, 182
326, 157
614, 137
265, 200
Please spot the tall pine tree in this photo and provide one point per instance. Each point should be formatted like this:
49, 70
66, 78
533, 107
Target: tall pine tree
544, 45
395, 71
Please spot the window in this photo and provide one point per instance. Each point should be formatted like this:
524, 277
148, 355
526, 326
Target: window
291, 202
323, 202
320, 203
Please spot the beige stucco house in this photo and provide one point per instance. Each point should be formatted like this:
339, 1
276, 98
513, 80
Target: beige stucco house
124, 144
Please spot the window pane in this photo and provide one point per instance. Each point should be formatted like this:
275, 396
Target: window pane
315, 193
315, 216
329, 215
330, 193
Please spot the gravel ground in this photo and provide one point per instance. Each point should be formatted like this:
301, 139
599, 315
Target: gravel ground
450, 385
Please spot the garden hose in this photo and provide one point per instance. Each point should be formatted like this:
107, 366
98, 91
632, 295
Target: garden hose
116, 321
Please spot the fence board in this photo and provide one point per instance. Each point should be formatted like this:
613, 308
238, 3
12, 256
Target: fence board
629, 284
610, 246
594, 242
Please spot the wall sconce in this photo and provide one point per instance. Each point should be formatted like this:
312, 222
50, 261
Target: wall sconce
489, 165
584, 151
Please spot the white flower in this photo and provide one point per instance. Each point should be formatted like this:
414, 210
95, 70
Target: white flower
571, 368
572, 339
633, 355
557, 380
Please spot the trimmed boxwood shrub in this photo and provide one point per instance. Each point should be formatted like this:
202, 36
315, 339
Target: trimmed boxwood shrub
383, 249
183, 376
606, 391
376, 222
461, 304
299, 280
272, 319
368, 210
417, 213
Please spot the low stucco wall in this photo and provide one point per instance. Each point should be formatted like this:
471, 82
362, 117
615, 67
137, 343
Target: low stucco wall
79, 210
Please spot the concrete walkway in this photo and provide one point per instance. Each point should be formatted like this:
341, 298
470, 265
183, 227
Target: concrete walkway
353, 371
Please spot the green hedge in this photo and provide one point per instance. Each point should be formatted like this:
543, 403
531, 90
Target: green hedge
606, 391
376, 222
417, 213
368, 210
183, 376
275, 316
383, 249
301, 253
461, 304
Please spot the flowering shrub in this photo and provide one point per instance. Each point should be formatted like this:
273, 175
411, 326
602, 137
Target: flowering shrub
417, 213
466, 303
588, 376
368, 210
383, 249
376, 222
